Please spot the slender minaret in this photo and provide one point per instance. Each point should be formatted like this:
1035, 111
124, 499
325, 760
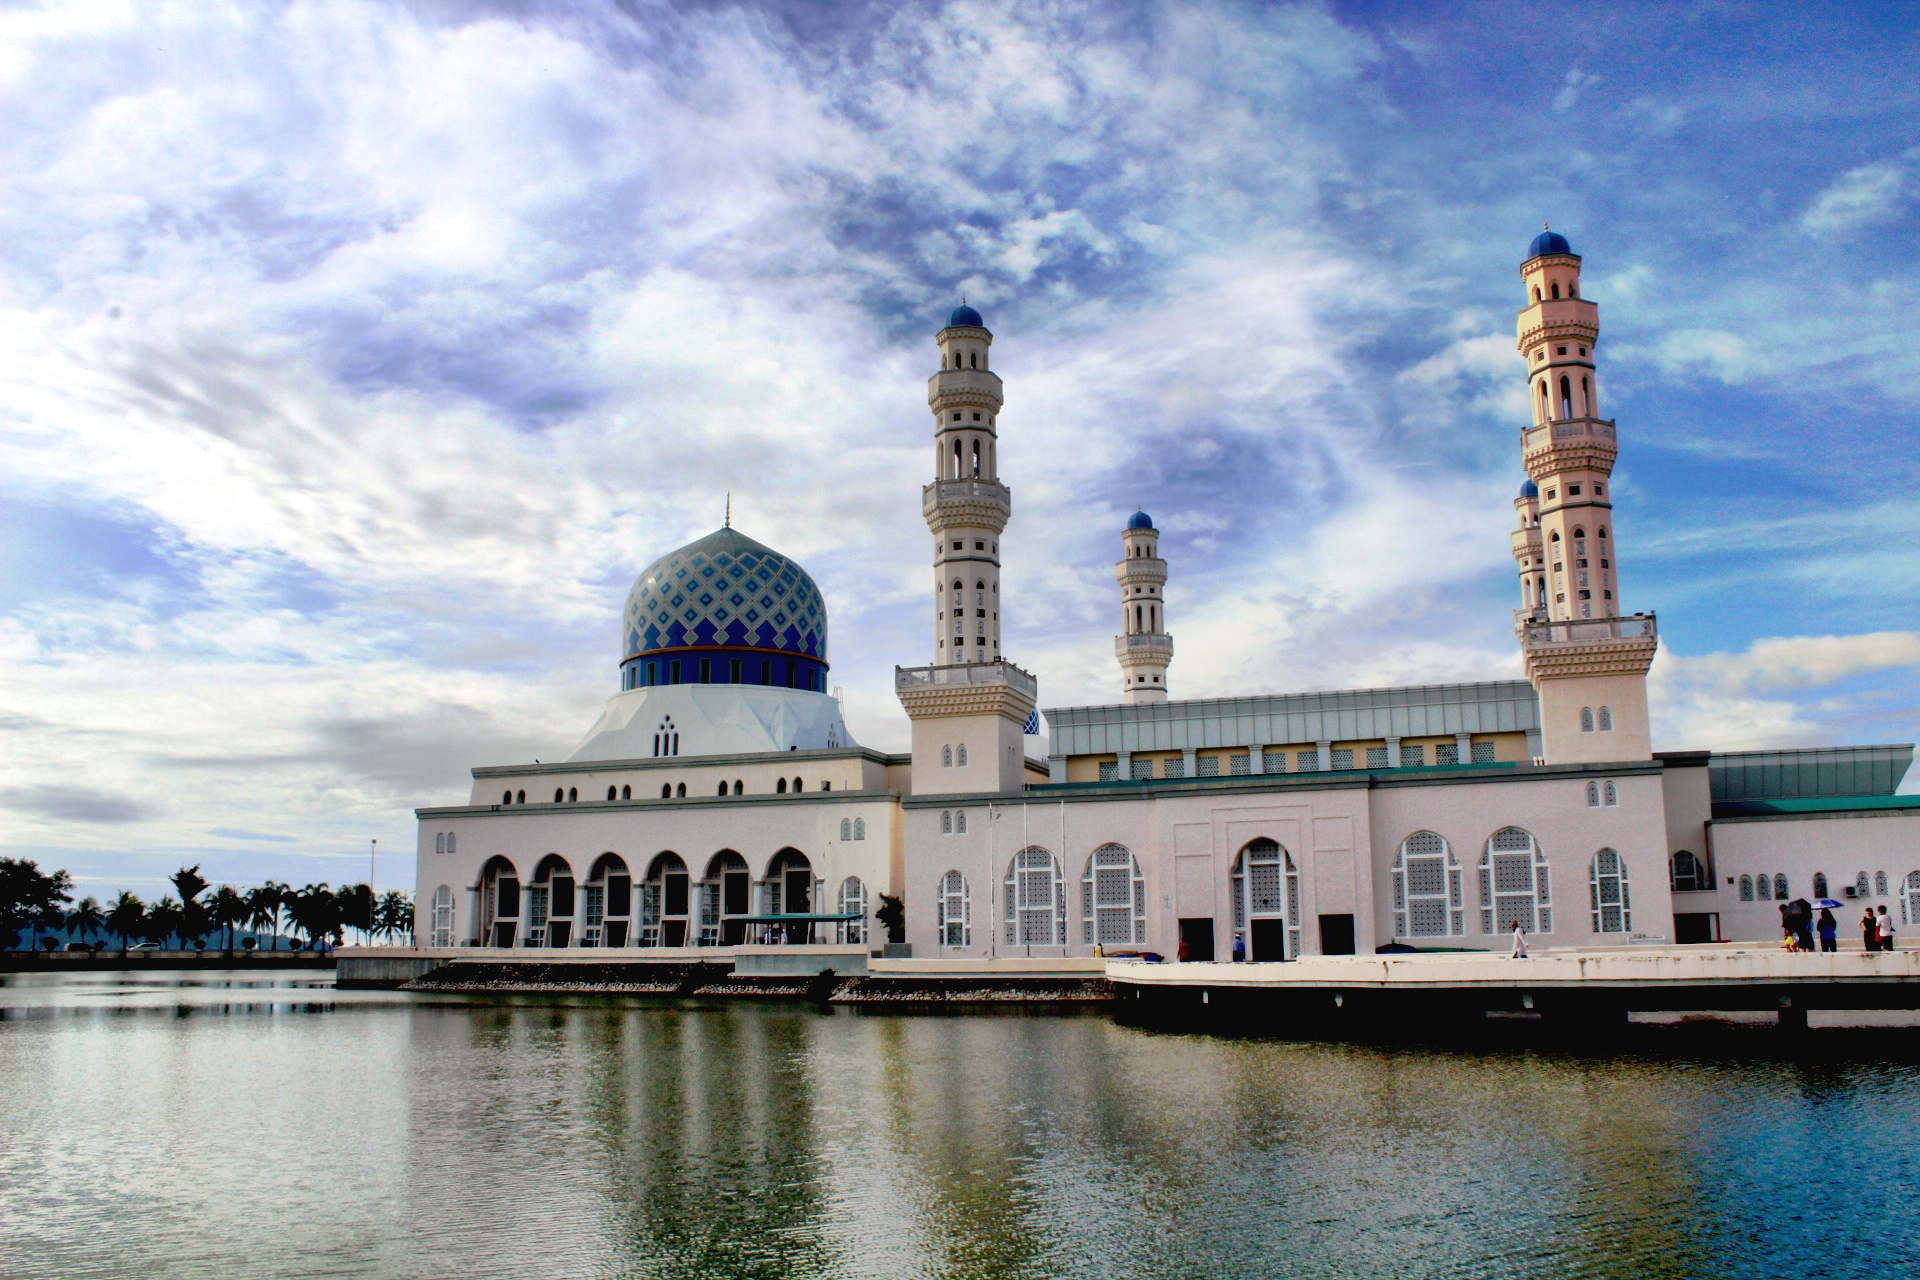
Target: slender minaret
1585, 657
1144, 648
971, 707
966, 506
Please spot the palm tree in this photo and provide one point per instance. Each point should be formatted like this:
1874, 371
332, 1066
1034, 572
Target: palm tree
163, 921
395, 915
263, 909
228, 910
127, 918
85, 920
193, 912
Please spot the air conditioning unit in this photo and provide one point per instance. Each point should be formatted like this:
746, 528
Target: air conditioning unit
1849, 891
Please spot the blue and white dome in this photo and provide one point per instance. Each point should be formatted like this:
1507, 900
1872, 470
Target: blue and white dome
965, 316
1140, 520
1528, 489
725, 592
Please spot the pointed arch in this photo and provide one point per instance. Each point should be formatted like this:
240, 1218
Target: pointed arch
1514, 884
1266, 900
1428, 899
1611, 898
1113, 898
953, 911
1036, 899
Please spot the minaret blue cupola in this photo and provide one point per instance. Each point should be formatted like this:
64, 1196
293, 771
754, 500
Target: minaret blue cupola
1548, 242
964, 315
724, 610
1140, 520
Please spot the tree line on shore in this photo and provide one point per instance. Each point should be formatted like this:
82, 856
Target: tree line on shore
36, 903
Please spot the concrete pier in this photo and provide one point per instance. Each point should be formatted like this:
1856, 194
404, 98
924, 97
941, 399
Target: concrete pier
1573, 989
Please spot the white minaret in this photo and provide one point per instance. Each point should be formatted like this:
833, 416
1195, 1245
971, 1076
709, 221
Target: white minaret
1144, 648
966, 506
970, 708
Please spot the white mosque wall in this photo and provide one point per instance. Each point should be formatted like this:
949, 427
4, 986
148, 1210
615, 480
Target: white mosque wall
759, 773
1341, 840
1839, 845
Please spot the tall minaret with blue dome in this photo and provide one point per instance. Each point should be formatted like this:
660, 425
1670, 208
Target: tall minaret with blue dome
1143, 647
966, 506
970, 708
1586, 657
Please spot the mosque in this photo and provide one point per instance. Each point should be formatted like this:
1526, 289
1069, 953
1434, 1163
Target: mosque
719, 800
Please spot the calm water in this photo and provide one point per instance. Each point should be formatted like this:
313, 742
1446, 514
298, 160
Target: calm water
283, 1129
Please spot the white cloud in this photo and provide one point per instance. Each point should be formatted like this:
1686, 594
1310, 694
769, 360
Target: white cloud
1721, 700
1576, 83
1858, 198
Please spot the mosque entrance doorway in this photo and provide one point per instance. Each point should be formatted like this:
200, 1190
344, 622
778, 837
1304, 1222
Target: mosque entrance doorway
664, 903
792, 895
1266, 901
606, 900
499, 903
550, 902
726, 900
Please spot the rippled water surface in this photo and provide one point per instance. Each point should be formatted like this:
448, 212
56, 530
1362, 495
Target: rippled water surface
283, 1129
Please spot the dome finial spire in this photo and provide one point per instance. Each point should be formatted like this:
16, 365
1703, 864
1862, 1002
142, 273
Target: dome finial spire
729, 508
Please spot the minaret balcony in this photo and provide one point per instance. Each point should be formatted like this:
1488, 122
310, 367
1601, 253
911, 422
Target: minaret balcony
1526, 542
1568, 444
1140, 570
964, 386
974, 504
1557, 319
1146, 647
967, 688
1586, 646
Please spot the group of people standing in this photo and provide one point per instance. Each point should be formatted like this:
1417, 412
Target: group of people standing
1798, 924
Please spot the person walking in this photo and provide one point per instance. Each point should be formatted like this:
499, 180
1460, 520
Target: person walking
1886, 929
1519, 942
1828, 927
1239, 948
1180, 952
1870, 930
1799, 919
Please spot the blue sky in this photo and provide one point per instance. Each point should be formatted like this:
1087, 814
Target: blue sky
355, 357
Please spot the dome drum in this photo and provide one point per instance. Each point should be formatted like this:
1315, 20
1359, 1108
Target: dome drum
724, 665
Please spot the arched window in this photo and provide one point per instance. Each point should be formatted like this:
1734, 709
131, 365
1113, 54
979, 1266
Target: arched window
1514, 886
1910, 900
780, 788
1556, 292
959, 822
611, 793
1566, 398
1611, 792
1819, 884
846, 829
946, 756
680, 791
1545, 412
440, 842
1690, 873
506, 797
946, 822
573, 795
1428, 899
1586, 719
558, 795
626, 793
859, 828
666, 791
1780, 888
1536, 293
442, 935
1879, 884
520, 798
1593, 795
1746, 888
739, 787
797, 788
1612, 904
954, 908
450, 836
853, 900
1036, 899
960, 756
1113, 898
1862, 887
1266, 901
1586, 398
1606, 720
973, 360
